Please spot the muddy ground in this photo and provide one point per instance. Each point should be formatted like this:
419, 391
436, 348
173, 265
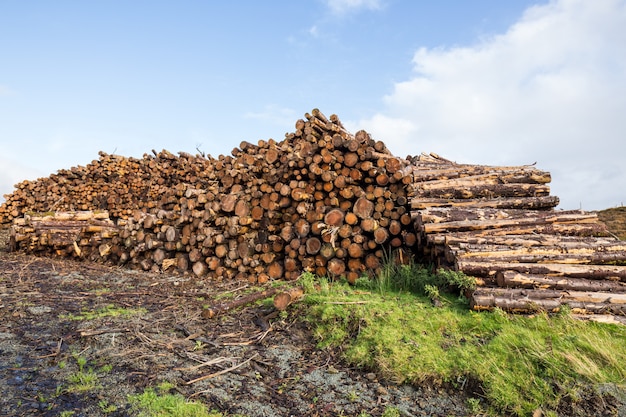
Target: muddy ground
128, 330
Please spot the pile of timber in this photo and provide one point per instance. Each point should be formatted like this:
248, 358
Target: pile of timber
322, 200
499, 225
67, 230
330, 202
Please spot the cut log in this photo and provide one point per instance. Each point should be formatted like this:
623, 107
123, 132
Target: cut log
363, 208
283, 299
228, 202
446, 220
275, 270
513, 279
597, 258
528, 203
334, 217
522, 300
381, 235
485, 191
239, 302
521, 240
483, 269
336, 267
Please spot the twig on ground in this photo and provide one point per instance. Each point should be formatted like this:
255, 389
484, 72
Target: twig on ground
96, 332
55, 353
210, 362
225, 371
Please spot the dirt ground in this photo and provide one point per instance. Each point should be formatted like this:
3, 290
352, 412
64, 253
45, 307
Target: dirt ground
63, 321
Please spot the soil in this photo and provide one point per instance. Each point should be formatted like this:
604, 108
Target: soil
60, 319
146, 328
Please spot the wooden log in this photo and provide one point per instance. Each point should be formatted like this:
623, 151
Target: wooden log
336, 267
363, 208
522, 300
458, 214
486, 219
239, 302
199, 268
334, 217
541, 257
313, 246
564, 229
485, 191
523, 240
369, 225
528, 203
434, 167
285, 298
381, 235
171, 234
520, 176
513, 279
228, 202
61, 216
483, 269
275, 270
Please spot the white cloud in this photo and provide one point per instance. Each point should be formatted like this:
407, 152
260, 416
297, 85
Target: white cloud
552, 89
340, 7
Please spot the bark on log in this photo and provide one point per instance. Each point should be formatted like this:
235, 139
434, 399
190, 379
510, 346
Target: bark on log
513, 279
528, 203
528, 301
485, 191
522, 240
589, 258
484, 220
605, 272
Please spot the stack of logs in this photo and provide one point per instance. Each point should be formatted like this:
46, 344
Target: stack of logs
498, 224
326, 201
322, 200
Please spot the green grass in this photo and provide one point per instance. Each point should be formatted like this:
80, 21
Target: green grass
109, 310
521, 363
160, 403
86, 378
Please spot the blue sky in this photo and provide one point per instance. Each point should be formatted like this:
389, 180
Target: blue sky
486, 81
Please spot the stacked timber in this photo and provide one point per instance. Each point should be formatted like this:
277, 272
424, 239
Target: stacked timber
498, 224
114, 183
322, 200
67, 230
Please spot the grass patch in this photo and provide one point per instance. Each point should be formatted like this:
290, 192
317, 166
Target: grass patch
521, 363
160, 402
85, 379
109, 310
